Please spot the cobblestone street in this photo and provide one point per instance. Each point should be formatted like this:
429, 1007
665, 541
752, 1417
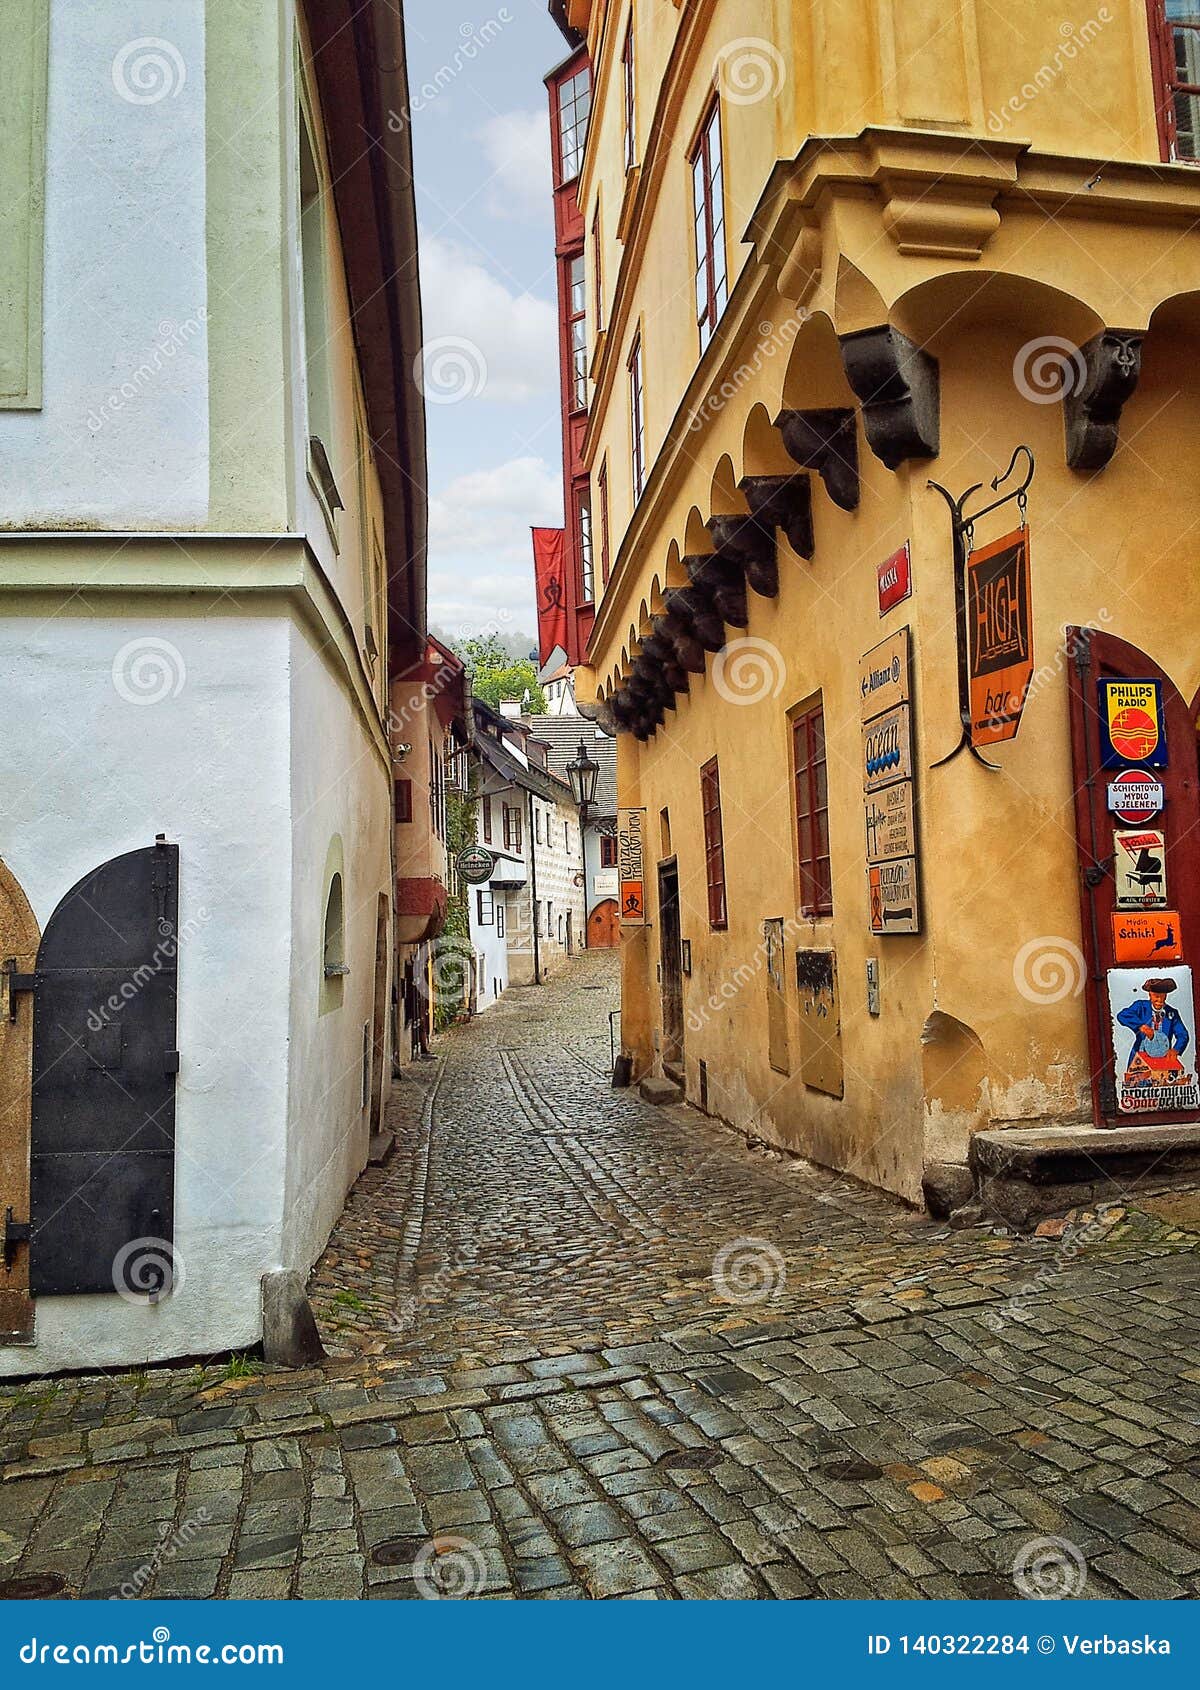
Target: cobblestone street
580, 1346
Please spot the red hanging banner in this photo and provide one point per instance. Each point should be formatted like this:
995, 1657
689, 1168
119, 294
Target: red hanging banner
550, 575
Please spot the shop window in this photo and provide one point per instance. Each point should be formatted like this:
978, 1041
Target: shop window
708, 213
714, 844
812, 811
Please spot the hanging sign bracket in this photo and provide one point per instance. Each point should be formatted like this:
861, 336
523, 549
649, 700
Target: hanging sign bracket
962, 525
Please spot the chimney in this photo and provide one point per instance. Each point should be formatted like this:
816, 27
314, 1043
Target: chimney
510, 709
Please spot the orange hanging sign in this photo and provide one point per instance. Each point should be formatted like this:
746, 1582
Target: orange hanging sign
999, 637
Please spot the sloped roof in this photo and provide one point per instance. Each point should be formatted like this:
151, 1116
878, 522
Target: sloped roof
561, 736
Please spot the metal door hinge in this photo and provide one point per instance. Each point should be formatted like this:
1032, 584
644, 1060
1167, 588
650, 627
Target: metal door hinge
15, 1232
16, 983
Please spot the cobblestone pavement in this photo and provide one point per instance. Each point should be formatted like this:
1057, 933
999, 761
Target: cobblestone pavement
583, 1347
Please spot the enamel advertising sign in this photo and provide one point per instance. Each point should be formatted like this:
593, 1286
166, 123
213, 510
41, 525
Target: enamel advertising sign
894, 576
1135, 797
892, 896
1131, 724
1154, 1040
999, 637
631, 868
1140, 868
1146, 936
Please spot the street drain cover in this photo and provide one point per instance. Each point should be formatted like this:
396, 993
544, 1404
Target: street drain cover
848, 1467
397, 1551
35, 1588
699, 1458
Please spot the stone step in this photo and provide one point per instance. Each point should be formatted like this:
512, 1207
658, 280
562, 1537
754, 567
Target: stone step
1025, 1175
657, 1089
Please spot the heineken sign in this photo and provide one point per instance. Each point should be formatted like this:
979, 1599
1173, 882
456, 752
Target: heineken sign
475, 864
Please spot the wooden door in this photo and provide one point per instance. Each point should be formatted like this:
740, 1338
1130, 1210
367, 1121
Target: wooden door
604, 926
18, 953
670, 961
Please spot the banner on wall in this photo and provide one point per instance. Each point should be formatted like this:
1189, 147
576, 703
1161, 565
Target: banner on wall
549, 570
999, 637
631, 867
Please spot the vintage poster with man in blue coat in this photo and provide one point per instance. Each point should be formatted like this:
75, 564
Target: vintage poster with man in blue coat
1154, 1039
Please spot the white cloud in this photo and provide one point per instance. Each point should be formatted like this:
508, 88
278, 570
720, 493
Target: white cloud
517, 147
480, 551
516, 333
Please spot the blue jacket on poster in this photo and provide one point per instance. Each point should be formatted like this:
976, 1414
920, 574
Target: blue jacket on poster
1172, 1031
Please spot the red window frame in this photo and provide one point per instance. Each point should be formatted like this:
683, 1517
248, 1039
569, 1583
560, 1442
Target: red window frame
575, 279
404, 800
1169, 87
608, 850
714, 844
602, 492
598, 268
629, 85
811, 778
708, 215
637, 418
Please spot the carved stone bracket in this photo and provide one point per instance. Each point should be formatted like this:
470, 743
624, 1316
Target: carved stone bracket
685, 648
724, 584
693, 614
897, 387
748, 545
825, 441
661, 653
782, 501
600, 711
1092, 407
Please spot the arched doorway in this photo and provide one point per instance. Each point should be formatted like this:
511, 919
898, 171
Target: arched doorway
1128, 1019
604, 926
18, 952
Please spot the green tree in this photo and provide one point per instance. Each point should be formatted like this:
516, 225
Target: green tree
495, 675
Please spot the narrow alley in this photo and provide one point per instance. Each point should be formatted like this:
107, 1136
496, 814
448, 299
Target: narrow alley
579, 1346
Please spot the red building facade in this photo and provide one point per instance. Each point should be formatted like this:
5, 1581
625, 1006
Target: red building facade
570, 89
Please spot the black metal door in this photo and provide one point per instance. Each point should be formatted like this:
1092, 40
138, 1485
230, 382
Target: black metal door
104, 1065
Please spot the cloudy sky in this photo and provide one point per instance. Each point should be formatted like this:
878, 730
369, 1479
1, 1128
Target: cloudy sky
482, 153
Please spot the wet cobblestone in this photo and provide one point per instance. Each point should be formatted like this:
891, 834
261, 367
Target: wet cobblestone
536, 1388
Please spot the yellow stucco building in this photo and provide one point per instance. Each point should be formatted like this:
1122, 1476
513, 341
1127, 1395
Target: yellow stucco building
838, 250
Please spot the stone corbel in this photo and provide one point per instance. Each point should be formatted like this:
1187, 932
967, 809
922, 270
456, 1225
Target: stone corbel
726, 587
1092, 406
600, 711
749, 545
661, 653
896, 382
686, 650
949, 220
692, 613
825, 441
782, 501
653, 682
